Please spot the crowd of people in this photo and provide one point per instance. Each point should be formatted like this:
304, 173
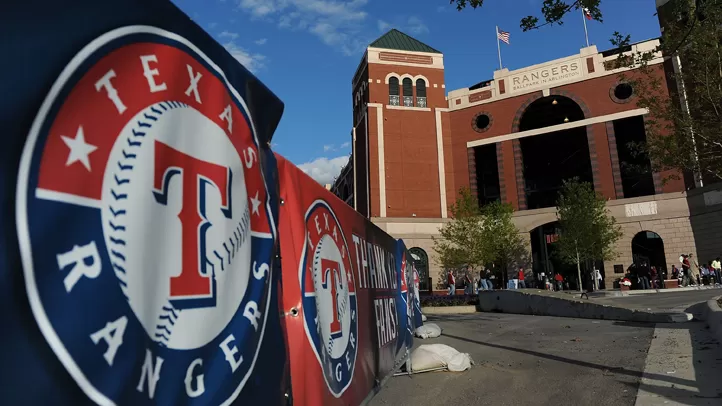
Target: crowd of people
490, 278
639, 276
689, 273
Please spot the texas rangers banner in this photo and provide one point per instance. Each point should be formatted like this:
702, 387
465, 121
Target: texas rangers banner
342, 319
136, 172
416, 303
405, 302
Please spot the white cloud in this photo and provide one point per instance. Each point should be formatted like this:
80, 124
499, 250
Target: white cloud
324, 170
327, 148
252, 62
345, 145
229, 35
383, 25
336, 22
261, 41
416, 26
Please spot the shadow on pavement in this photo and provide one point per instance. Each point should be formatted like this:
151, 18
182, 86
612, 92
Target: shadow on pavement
603, 368
706, 365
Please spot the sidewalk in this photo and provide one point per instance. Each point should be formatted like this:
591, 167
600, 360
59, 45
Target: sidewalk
617, 292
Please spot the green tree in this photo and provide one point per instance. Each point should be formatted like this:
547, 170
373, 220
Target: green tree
502, 242
461, 243
553, 11
588, 231
683, 131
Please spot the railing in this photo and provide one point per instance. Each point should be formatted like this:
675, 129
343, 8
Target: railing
408, 101
420, 101
394, 100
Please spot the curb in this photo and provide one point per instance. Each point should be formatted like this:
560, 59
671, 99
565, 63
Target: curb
618, 293
541, 305
711, 313
449, 310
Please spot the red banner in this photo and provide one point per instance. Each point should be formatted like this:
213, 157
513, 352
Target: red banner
340, 290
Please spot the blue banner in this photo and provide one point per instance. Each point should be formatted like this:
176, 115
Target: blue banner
138, 262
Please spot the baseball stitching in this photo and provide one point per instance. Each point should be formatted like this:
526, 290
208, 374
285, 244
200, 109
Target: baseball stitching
119, 191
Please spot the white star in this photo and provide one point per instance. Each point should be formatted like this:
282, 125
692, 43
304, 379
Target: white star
79, 149
255, 203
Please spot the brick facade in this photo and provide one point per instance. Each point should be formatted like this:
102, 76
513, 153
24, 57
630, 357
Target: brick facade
411, 162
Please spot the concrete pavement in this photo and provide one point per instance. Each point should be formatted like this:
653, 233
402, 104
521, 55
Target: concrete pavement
661, 302
536, 360
530, 360
683, 367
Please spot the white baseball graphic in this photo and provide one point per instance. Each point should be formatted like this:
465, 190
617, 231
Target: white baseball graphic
143, 238
327, 249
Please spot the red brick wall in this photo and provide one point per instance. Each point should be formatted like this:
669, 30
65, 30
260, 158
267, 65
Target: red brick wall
379, 92
373, 162
410, 148
592, 95
449, 162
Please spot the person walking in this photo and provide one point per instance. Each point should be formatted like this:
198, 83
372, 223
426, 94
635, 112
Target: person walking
717, 268
695, 271
644, 276
559, 282
522, 284
468, 284
484, 279
654, 278
451, 282
686, 271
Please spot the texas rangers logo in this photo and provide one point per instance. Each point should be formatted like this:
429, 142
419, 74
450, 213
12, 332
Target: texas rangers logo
329, 302
144, 226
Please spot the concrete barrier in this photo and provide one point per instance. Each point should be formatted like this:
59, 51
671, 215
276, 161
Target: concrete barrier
448, 309
520, 302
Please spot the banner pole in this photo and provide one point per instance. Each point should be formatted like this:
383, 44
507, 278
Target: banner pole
586, 33
498, 47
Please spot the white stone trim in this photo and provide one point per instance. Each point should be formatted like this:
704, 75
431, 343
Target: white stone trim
437, 60
396, 51
378, 80
442, 168
407, 76
417, 77
371, 80
546, 92
443, 86
382, 165
390, 107
560, 127
435, 85
580, 58
392, 75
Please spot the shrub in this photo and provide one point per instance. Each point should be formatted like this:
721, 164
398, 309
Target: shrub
456, 300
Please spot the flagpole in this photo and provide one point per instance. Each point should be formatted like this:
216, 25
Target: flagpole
498, 47
584, 20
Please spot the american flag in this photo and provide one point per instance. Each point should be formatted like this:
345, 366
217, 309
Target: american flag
587, 13
503, 35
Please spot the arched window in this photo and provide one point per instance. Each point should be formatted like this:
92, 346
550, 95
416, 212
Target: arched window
421, 260
420, 93
407, 85
394, 91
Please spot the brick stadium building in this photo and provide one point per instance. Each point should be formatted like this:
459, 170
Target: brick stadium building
513, 138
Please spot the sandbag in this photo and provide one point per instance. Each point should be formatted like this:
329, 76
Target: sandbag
423, 317
438, 356
429, 330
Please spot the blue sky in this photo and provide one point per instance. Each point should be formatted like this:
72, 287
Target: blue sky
307, 51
